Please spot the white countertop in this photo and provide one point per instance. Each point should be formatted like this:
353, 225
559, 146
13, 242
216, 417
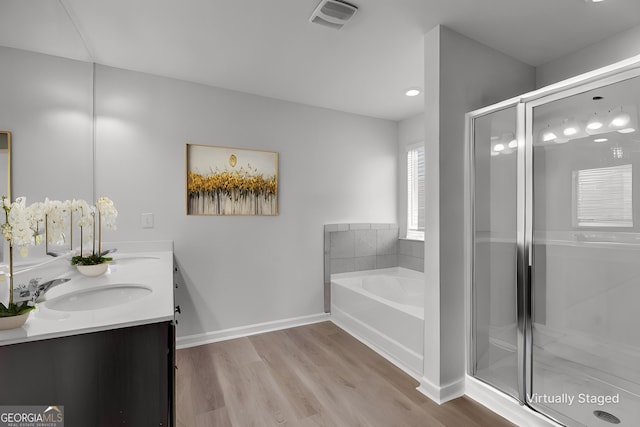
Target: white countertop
145, 264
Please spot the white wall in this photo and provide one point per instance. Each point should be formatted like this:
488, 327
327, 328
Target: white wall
334, 167
461, 75
613, 49
410, 131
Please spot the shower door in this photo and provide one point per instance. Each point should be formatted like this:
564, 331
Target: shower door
555, 250
585, 263
494, 344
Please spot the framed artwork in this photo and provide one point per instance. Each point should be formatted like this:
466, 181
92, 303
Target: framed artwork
231, 181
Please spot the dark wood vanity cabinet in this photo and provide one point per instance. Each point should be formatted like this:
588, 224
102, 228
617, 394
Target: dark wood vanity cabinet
108, 378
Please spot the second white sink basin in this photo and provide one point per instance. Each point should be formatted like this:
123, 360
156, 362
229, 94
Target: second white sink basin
97, 298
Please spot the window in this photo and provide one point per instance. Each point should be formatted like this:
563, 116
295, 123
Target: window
602, 197
415, 192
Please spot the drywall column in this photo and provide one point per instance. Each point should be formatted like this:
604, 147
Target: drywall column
461, 75
430, 383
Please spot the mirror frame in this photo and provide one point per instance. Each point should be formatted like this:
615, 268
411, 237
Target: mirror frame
8, 136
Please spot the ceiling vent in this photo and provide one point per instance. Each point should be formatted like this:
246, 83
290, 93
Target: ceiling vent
333, 13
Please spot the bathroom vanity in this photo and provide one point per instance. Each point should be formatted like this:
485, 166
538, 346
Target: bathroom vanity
102, 347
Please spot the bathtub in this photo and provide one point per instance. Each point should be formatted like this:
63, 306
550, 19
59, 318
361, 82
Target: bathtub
384, 309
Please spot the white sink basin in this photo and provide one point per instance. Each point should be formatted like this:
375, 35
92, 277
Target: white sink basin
97, 298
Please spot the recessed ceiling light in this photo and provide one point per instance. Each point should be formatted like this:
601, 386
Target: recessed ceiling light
414, 91
600, 140
627, 130
594, 1
548, 136
594, 123
620, 120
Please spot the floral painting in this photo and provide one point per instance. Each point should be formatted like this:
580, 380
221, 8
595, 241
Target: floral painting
231, 181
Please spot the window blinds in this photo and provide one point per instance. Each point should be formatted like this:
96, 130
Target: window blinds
603, 197
416, 192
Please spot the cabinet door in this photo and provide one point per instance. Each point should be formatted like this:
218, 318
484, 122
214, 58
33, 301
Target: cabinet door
118, 377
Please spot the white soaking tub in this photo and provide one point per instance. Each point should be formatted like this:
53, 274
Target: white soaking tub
384, 309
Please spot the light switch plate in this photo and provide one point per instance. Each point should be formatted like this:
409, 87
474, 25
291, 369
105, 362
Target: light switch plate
146, 220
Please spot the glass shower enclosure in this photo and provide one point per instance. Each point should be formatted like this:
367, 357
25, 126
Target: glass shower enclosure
554, 188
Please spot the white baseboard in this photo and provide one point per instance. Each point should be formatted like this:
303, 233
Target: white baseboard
441, 394
243, 331
504, 405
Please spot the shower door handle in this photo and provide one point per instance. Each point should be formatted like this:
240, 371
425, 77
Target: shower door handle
523, 317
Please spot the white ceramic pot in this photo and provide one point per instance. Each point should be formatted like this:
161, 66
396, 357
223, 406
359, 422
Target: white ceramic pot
93, 270
13, 322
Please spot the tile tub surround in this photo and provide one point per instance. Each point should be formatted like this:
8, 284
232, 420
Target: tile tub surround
357, 247
367, 246
411, 254
354, 247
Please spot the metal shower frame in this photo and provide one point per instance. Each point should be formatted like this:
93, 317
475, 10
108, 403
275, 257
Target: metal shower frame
525, 106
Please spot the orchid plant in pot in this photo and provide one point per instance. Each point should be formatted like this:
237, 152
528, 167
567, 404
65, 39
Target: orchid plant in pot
20, 229
95, 263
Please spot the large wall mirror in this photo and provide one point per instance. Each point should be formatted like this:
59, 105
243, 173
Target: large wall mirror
5, 163
47, 104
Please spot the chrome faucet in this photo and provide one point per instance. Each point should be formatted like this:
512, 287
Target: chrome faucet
33, 290
44, 287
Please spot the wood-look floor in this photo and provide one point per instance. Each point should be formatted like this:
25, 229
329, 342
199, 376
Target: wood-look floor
314, 375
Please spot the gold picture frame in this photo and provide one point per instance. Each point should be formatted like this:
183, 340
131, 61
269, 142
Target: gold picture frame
223, 181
